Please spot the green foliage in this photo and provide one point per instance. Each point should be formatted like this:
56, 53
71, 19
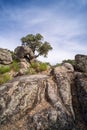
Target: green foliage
72, 62
15, 66
38, 67
58, 64
36, 43
4, 69
43, 67
33, 41
31, 71
35, 65
43, 50
4, 78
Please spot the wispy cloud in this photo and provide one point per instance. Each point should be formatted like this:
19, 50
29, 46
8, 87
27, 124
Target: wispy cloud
59, 25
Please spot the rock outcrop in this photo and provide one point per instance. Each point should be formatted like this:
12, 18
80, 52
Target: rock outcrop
5, 56
23, 52
24, 66
81, 83
45, 102
37, 102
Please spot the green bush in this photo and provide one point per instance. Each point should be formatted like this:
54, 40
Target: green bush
15, 65
4, 78
34, 65
39, 66
43, 67
4, 69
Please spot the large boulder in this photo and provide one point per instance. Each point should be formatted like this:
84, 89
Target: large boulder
81, 63
81, 83
37, 102
5, 56
23, 52
68, 66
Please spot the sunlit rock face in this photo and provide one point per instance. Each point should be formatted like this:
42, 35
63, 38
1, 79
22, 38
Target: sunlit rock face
45, 102
5, 56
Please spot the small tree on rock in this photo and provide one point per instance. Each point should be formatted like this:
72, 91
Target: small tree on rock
37, 44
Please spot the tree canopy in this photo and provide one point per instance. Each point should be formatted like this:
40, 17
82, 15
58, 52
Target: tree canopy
37, 44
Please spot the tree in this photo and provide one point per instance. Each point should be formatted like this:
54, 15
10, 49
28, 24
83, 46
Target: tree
37, 44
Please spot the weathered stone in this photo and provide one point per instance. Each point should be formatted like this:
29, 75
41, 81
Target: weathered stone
24, 66
5, 56
35, 102
81, 83
69, 67
23, 52
63, 80
81, 63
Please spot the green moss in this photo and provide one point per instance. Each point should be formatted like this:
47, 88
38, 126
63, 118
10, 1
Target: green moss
4, 69
4, 78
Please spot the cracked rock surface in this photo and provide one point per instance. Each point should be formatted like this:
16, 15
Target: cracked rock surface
45, 102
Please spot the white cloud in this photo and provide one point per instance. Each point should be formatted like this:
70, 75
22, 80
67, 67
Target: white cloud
59, 29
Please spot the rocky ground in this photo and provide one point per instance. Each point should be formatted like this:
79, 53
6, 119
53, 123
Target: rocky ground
55, 101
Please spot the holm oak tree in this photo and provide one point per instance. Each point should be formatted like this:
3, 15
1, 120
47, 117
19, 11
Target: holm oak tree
37, 44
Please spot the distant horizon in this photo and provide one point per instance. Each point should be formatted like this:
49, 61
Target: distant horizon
63, 24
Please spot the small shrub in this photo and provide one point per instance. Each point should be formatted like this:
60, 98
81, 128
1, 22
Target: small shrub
43, 67
31, 71
15, 65
37, 67
4, 78
34, 65
4, 69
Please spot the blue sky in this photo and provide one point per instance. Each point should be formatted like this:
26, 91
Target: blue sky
63, 23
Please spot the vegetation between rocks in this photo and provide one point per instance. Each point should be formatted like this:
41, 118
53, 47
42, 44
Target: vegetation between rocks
37, 67
15, 66
23, 58
4, 78
4, 69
